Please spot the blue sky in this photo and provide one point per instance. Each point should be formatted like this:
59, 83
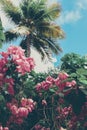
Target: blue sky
73, 20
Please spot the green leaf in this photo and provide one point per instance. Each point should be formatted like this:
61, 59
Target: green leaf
0, 44
73, 75
1, 98
52, 90
84, 91
82, 71
84, 81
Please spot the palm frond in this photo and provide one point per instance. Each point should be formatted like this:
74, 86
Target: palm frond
51, 13
10, 36
11, 10
24, 45
50, 30
42, 49
20, 30
32, 9
53, 46
50, 46
54, 11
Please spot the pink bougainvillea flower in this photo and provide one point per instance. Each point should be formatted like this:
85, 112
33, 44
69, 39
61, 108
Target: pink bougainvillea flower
10, 90
50, 79
46, 85
71, 84
23, 112
14, 109
63, 76
60, 84
15, 50
44, 102
5, 128
1, 76
23, 102
4, 54
38, 87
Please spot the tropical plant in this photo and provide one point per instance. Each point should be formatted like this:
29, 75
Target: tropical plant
34, 23
76, 66
70, 62
31, 101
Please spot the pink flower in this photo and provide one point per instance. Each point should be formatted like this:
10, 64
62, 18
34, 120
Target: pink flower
23, 102
8, 105
38, 127
46, 85
1, 128
14, 110
10, 90
61, 84
30, 101
4, 54
29, 109
44, 102
63, 76
9, 80
1, 76
71, 84
50, 79
23, 112
16, 50
38, 86
5, 128
31, 62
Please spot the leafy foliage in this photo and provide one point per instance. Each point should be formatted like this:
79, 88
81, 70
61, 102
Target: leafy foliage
76, 66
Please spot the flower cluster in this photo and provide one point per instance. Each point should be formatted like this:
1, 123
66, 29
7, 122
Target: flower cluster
63, 113
3, 128
60, 82
13, 66
21, 64
17, 56
18, 113
73, 121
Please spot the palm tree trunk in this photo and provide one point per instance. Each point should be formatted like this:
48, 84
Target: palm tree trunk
28, 42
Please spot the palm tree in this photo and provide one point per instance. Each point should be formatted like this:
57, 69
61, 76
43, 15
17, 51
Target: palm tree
34, 24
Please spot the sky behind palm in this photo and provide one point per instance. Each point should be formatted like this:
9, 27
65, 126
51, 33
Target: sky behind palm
73, 21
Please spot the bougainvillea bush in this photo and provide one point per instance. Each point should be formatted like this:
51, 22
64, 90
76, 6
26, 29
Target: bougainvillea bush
37, 102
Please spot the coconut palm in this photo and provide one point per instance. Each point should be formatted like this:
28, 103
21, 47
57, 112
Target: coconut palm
34, 24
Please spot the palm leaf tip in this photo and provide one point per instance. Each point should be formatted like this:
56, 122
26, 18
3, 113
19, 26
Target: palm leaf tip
54, 10
11, 10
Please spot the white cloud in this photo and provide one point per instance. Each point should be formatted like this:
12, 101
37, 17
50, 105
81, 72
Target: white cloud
69, 17
82, 4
